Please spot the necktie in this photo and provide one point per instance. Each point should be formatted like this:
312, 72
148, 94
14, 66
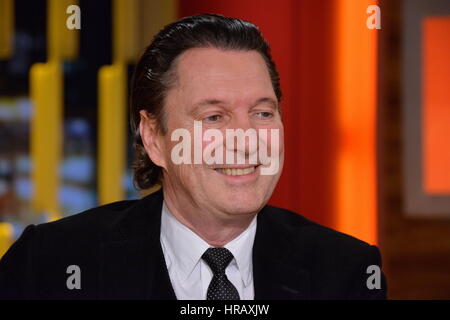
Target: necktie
220, 288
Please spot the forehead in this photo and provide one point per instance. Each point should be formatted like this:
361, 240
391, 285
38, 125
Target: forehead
227, 75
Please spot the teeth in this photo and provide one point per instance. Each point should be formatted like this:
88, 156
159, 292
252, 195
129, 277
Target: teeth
236, 172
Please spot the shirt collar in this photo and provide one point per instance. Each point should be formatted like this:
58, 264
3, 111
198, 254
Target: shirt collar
242, 248
186, 247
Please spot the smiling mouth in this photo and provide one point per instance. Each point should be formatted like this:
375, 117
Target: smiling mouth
236, 171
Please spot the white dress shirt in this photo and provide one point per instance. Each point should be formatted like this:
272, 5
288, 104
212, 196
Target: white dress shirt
189, 274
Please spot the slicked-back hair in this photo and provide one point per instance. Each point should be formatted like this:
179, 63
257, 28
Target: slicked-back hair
155, 73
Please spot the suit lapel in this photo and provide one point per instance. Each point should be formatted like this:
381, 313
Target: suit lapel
275, 275
132, 261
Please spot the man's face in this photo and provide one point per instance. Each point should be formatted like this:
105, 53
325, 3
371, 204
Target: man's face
223, 90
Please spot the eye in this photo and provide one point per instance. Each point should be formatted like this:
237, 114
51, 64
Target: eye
213, 118
265, 115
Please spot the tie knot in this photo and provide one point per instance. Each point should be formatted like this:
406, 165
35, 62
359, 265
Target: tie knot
218, 259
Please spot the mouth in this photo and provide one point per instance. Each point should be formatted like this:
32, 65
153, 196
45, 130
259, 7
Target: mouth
237, 171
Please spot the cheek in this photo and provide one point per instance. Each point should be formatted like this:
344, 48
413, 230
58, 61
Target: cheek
281, 142
181, 177
281, 139
189, 175
167, 146
274, 140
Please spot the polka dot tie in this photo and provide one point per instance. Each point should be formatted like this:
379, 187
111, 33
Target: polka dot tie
220, 287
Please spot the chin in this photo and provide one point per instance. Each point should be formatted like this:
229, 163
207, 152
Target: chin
242, 204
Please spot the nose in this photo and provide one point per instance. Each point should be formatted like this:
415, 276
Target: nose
241, 136
240, 121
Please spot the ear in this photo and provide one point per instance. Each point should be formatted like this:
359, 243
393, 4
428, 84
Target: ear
152, 139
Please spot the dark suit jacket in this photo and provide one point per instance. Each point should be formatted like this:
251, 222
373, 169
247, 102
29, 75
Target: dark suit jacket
118, 250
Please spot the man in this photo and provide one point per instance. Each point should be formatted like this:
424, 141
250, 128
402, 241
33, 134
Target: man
208, 233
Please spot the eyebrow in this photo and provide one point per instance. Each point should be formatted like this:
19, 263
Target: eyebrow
271, 101
208, 102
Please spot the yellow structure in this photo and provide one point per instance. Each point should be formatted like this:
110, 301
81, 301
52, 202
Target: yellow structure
46, 92
112, 83
6, 28
46, 83
62, 43
6, 236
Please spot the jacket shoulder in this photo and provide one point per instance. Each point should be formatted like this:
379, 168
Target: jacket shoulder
96, 218
43, 252
304, 230
337, 263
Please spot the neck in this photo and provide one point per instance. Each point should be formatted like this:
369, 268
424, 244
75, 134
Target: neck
217, 231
